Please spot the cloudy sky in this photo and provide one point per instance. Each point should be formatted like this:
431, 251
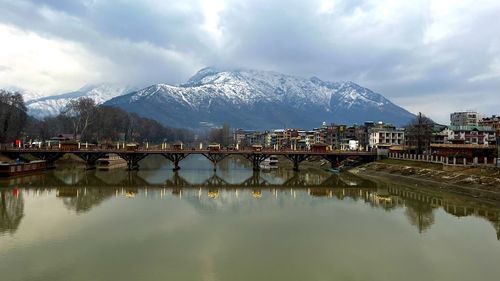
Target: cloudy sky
433, 56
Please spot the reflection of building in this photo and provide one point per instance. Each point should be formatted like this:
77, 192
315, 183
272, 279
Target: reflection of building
449, 202
256, 193
213, 193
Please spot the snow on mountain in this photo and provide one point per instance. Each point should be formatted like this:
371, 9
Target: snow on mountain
27, 94
52, 105
258, 100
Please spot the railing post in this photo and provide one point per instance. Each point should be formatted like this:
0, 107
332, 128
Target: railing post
475, 161
485, 160
454, 161
465, 161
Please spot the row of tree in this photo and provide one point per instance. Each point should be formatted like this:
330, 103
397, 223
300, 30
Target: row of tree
83, 119
96, 123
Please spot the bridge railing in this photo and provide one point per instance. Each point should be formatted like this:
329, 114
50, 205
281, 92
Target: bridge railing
122, 148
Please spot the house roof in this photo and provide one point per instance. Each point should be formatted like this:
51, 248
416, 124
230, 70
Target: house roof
471, 128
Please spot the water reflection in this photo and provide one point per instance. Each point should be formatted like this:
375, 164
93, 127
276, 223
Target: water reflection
234, 187
11, 210
419, 207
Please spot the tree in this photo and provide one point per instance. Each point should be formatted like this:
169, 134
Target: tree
13, 116
419, 133
82, 113
101, 124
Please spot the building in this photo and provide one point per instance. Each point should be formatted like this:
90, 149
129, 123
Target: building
383, 136
467, 151
66, 137
493, 122
464, 118
247, 138
469, 135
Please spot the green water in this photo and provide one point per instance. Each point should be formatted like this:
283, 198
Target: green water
69, 224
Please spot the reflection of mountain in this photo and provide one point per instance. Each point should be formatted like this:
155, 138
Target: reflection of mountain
11, 210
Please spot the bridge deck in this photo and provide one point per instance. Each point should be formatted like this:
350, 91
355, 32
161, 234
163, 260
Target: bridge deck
190, 151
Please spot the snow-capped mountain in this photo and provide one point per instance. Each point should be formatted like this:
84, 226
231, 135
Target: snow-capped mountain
259, 100
52, 105
27, 94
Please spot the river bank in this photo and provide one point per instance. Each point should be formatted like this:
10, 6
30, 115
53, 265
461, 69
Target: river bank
478, 182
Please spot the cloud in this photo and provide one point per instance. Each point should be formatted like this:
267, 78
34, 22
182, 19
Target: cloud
414, 52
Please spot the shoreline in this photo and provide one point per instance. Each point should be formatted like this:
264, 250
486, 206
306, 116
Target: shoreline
468, 182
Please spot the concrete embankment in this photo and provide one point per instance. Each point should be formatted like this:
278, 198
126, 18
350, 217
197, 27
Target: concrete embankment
482, 182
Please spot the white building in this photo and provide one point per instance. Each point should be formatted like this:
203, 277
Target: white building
464, 118
385, 136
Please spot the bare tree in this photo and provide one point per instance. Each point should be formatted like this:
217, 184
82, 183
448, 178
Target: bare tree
419, 133
13, 116
82, 113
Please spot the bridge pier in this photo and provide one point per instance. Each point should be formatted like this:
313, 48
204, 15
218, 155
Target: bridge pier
334, 160
175, 158
215, 158
256, 159
296, 159
90, 159
132, 159
254, 181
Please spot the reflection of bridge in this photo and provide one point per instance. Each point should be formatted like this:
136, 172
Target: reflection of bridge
132, 179
257, 181
133, 157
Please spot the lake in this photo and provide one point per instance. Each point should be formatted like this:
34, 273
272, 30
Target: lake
234, 224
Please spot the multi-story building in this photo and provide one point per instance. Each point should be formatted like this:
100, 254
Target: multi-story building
383, 136
464, 118
493, 122
470, 135
246, 138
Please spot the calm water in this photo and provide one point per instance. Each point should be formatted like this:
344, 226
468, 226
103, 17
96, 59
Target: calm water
68, 224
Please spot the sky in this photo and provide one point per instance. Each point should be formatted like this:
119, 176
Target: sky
429, 56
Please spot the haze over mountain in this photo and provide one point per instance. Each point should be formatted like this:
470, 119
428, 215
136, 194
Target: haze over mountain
255, 99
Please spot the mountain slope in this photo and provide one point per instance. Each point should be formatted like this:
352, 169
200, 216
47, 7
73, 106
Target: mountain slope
52, 105
259, 100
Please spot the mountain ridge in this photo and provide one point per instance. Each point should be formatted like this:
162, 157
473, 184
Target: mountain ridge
256, 99
52, 105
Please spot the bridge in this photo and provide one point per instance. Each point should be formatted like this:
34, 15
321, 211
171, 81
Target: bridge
132, 157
